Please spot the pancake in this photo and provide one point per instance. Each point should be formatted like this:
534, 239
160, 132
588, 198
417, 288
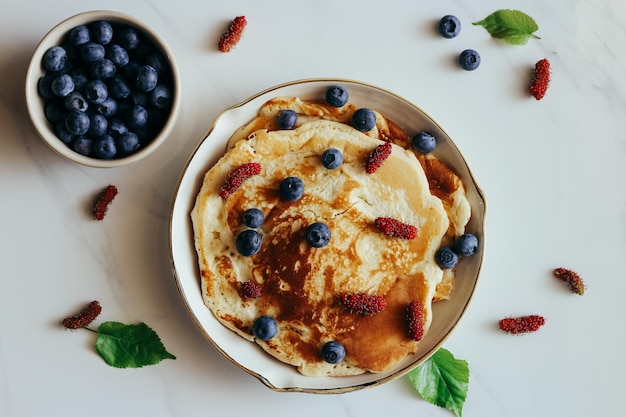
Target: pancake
301, 286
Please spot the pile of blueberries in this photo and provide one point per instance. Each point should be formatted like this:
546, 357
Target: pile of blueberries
107, 89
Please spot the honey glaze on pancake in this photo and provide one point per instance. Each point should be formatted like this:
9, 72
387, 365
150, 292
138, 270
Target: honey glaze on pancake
301, 285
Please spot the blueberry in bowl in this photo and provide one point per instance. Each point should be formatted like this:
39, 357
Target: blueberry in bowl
102, 89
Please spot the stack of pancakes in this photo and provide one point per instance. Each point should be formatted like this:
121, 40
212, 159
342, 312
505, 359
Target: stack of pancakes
301, 286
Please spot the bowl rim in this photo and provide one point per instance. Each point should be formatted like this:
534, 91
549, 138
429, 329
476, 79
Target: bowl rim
34, 102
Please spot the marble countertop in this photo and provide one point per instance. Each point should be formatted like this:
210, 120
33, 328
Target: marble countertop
552, 171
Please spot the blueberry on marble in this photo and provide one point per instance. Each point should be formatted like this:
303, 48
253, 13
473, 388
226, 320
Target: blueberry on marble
318, 234
264, 328
253, 217
92, 52
116, 54
101, 32
469, 60
248, 242
75, 102
466, 244
286, 119
364, 119
147, 78
104, 147
424, 142
83, 145
333, 352
79, 35
446, 257
291, 189
62, 85
127, 143
332, 158
55, 59
98, 125
449, 26
77, 123
336, 96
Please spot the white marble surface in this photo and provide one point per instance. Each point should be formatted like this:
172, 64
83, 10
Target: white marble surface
552, 171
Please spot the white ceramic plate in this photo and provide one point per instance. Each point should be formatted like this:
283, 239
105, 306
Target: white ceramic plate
248, 356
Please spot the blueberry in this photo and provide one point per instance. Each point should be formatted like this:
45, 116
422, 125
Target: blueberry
147, 78
108, 107
449, 26
117, 55
128, 38
62, 133
118, 87
318, 234
44, 87
101, 32
364, 120
96, 91
102, 69
55, 111
264, 328
136, 117
127, 143
92, 52
83, 145
98, 125
80, 78
286, 119
291, 189
76, 102
446, 257
79, 35
62, 85
157, 61
77, 123
104, 147
336, 96
469, 59
248, 242
333, 352
161, 97
424, 142
332, 158
116, 127
466, 245
55, 59
253, 217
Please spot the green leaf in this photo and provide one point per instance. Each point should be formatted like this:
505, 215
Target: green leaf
512, 26
442, 380
130, 345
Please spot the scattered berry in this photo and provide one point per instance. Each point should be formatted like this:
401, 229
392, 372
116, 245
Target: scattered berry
469, 60
377, 157
466, 245
249, 289
318, 234
84, 318
364, 120
253, 218
572, 279
286, 119
237, 176
332, 158
415, 318
103, 200
366, 304
446, 257
449, 26
520, 325
232, 35
395, 228
248, 242
333, 352
540, 79
336, 96
424, 142
291, 189
264, 328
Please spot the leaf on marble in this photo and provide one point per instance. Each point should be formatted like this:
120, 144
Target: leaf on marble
442, 380
512, 26
130, 345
